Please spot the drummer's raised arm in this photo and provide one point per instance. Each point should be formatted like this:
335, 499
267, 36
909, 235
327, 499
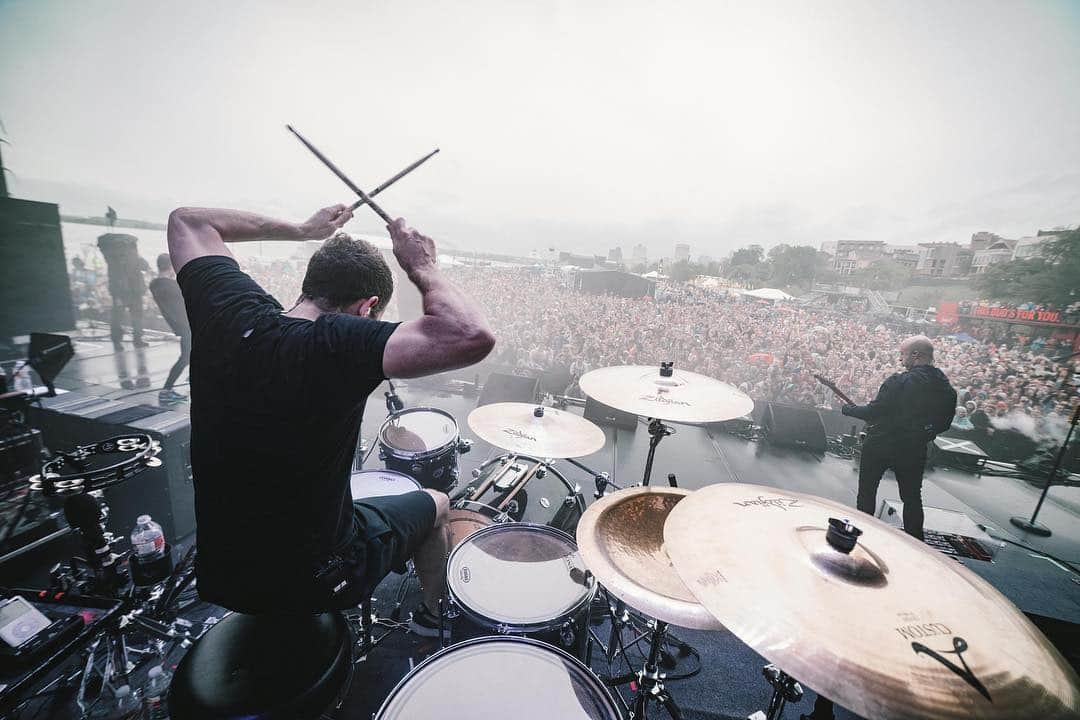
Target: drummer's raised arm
452, 332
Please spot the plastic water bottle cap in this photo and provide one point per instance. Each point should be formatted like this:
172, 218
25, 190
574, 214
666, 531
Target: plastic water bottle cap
154, 671
142, 519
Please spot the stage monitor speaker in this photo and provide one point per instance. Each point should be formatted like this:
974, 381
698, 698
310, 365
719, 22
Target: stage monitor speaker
509, 388
602, 414
795, 426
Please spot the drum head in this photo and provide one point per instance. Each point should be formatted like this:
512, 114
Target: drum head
539, 683
526, 577
376, 483
418, 432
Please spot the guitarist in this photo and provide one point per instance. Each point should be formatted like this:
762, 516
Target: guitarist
910, 409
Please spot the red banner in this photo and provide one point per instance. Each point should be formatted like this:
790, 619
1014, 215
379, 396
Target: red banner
946, 312
1008, 313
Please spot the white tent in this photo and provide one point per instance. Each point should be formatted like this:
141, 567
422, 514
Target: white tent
768, 294
653, 275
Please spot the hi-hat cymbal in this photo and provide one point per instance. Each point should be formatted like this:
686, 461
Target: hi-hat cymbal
620, 538
891, 629
551, 434
684, 397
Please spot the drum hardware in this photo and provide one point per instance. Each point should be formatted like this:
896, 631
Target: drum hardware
558, 504
785, 689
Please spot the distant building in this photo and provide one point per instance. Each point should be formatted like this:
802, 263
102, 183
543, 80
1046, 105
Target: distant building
639, 254
982, 240
704, 260
944, 259
682, 252
852, 255
615, 254
906, 255
1032, 246
829, 247
998, 250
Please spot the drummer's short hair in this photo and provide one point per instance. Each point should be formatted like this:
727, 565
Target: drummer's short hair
346, 269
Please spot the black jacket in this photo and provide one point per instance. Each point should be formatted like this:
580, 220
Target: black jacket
911, 407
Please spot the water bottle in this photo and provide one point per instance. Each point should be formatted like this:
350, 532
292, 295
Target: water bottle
22, 380
126, 705
155, 693
147, 539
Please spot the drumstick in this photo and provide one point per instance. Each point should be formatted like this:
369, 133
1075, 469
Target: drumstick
520, 486
394, 179
492, 479
342, 176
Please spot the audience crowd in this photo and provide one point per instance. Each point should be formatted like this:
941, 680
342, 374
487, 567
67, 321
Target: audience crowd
770, 351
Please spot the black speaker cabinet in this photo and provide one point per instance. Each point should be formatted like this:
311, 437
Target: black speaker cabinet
509, 388
795, 426
35, 295
164, 492
602, 414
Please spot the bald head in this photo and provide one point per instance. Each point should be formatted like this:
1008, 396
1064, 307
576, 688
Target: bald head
916, 350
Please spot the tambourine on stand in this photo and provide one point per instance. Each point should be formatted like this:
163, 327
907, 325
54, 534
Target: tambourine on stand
148, 590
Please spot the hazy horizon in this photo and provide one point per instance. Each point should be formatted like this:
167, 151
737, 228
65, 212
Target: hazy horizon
579, 126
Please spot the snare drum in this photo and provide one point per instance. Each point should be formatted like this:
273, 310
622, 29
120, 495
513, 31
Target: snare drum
423, 443
377, 483
548, 498
541, 683
521, 579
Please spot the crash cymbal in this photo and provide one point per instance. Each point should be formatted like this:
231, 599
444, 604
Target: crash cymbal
891, 629
620, 538
684, 397
519, 428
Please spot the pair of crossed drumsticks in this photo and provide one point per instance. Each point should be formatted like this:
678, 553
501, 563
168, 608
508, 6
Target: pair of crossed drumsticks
365, 198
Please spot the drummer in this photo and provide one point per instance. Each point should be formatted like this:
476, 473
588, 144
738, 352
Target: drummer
277, 400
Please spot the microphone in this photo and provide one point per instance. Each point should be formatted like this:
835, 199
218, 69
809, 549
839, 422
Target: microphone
83, 512
394, 403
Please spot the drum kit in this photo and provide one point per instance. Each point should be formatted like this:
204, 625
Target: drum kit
866, 615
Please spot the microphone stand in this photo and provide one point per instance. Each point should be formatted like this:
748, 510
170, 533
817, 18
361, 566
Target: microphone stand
1031, 525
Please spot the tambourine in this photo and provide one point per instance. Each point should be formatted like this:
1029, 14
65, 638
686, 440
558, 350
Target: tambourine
98, 465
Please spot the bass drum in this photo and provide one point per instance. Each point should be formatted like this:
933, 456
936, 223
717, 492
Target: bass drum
547, 497
518, 678
521, 579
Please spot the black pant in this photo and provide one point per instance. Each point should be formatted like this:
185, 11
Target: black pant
135, 307
181, 362
907, 461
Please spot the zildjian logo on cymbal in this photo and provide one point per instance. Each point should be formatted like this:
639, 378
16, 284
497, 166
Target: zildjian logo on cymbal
519, 434
781, 502
960, 646
658, 398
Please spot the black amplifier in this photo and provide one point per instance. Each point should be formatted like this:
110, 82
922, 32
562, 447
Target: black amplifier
164, 492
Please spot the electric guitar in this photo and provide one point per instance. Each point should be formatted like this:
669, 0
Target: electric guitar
832, 386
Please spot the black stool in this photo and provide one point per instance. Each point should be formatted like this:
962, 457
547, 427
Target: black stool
265, 667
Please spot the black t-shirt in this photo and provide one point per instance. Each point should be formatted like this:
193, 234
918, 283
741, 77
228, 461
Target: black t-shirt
276, 404
170, 301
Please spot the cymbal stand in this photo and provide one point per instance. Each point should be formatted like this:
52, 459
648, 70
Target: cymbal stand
657, 432
650, 681
785, 689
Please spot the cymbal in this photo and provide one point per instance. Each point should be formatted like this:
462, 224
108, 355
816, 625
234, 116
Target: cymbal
892, 629
620, 538
553, 434
685, 397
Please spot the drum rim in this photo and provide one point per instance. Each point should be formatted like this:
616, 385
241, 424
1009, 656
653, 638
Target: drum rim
572, 488
354, 473
589, 676
399, 454
492, 623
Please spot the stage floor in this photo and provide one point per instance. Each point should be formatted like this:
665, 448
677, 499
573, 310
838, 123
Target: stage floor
730, 684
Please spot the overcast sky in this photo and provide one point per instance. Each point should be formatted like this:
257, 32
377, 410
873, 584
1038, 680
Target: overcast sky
575, 124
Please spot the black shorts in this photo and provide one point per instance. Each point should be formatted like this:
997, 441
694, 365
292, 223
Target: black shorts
390, 529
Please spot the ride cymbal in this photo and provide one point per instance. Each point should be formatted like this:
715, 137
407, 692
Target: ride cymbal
620, 538
681, 397
519, 428
889, 629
